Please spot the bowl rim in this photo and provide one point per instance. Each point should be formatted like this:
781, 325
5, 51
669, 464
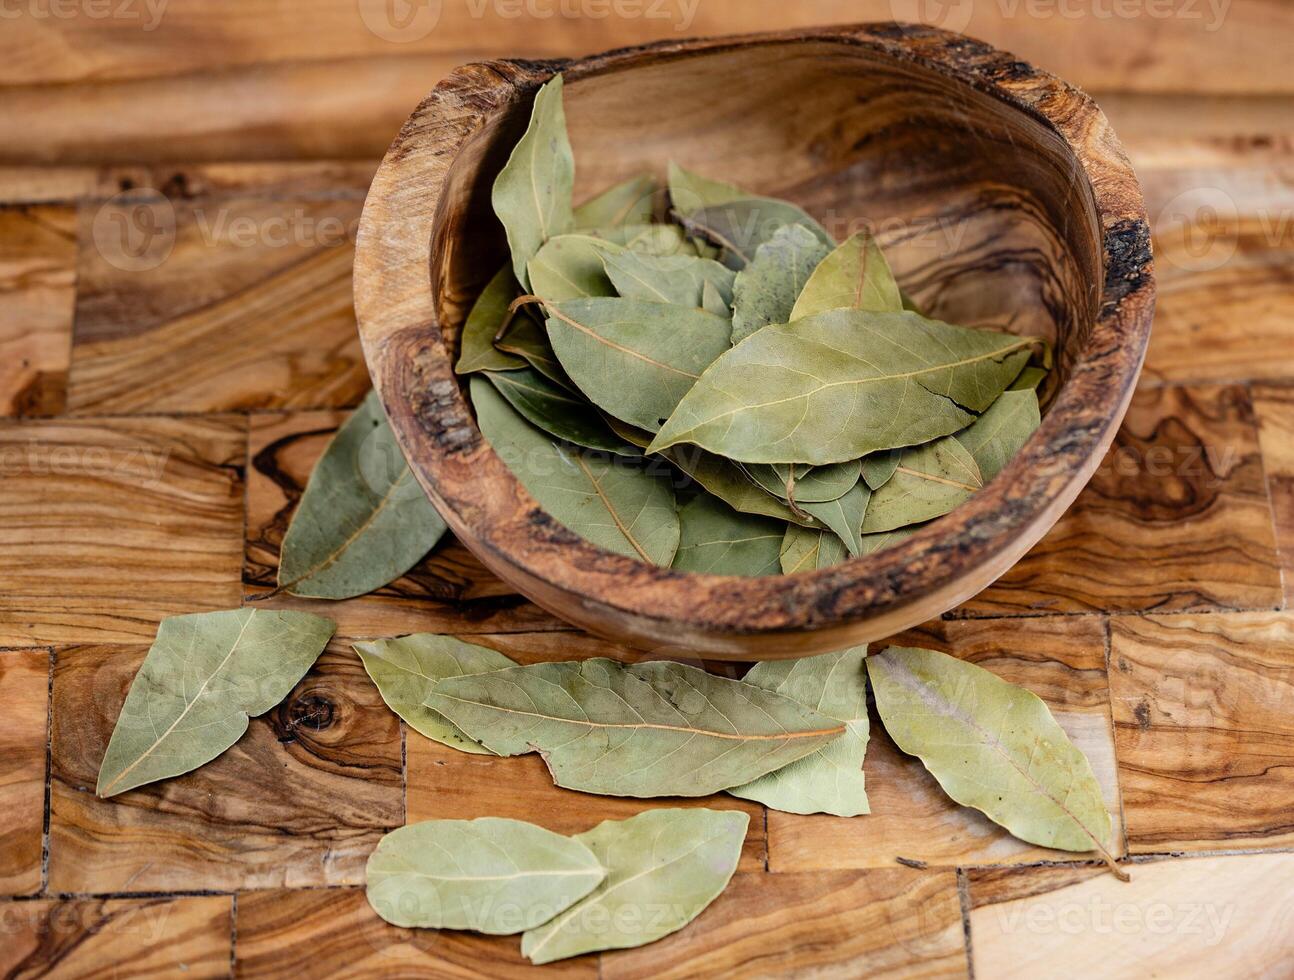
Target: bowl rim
921, 577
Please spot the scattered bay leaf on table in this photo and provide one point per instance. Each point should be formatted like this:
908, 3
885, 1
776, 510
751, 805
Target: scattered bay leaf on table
807, 484
764, 292
204, 676
690, 192
571, 267
405, 670
363, 520
805, 550
527, 338
931, 480
716, 540
854, 276
729, 482
992, 746
632, 358
787, 393
844, 515
829, 780
676, 279
647, 729
476, 347
740, 227
880, 466
489, 875
557, 411
627, 203
997, 435
611, 503
532, 194
663, 868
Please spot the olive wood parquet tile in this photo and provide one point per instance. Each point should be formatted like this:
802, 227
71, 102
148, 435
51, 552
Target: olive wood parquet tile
215, 304
339, 935
1194, 917
107, 526
37, 295
1204, 715
1062, 660
103, 939
1176, 519
24, 726
834, 924
300, 800
1275, 407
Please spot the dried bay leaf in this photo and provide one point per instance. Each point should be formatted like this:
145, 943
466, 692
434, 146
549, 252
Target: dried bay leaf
872, 543
786, 394
1031, 377
557, 411
630, 202
739, 227
204, 676
663, 868
490, 312
854, 276
647, 729
676, 279
806, 550
997, 435
765, 291
716, 540
528, 339
571, 267
532, 194
611, 503
714, 300
632, 358
405, 669
806, 484
490, 875
992, 746
690, 192
363, 520
930, 481
844, 515
829, 780
649, 239
729, 482
879, 467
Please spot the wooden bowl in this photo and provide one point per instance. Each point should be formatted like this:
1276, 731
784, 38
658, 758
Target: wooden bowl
1000, 194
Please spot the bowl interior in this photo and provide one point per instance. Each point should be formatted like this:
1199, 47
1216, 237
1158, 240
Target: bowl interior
983, 211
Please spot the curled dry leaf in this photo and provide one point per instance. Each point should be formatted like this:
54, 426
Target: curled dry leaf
488, 316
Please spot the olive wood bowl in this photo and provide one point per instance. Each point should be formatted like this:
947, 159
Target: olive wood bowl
1002, 198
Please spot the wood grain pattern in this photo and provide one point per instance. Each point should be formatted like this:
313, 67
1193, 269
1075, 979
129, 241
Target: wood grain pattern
1205, 731
37, 293
1224, 916
110, 525
833, 926
339, 935
24, 726
299, 801
240, 303
1062, 660
1275, 408
100, 939
1177, 518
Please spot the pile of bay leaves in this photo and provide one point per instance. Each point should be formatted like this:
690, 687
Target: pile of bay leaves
729, 391
670, 387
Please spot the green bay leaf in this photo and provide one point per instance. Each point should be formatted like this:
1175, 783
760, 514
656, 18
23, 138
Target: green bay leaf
739, 227
363, 520
930, 481
647, 729
532, 194
405, 669
806, 484
879, 467
829, 780
490, 312
729, 482
204, 676
717, 540
872, 543
571, 267
489, 875
765, 291
992, 746
806, 550
690, 192
663, 868
854, 276
997, 435
844, 515
631, 202
714, 300
528, 339
612, 503
788, 392
677, 279
557, 411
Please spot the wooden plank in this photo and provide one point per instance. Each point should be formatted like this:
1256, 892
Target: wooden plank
1223, 916
339, 935
208, 306
107, 526
836, 924
1205, 735
1275, 407
37, 295
1060, 659
24, 726
300, 800
102, 938
1176, 519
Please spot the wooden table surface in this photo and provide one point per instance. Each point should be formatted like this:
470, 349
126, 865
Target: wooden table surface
177, 345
